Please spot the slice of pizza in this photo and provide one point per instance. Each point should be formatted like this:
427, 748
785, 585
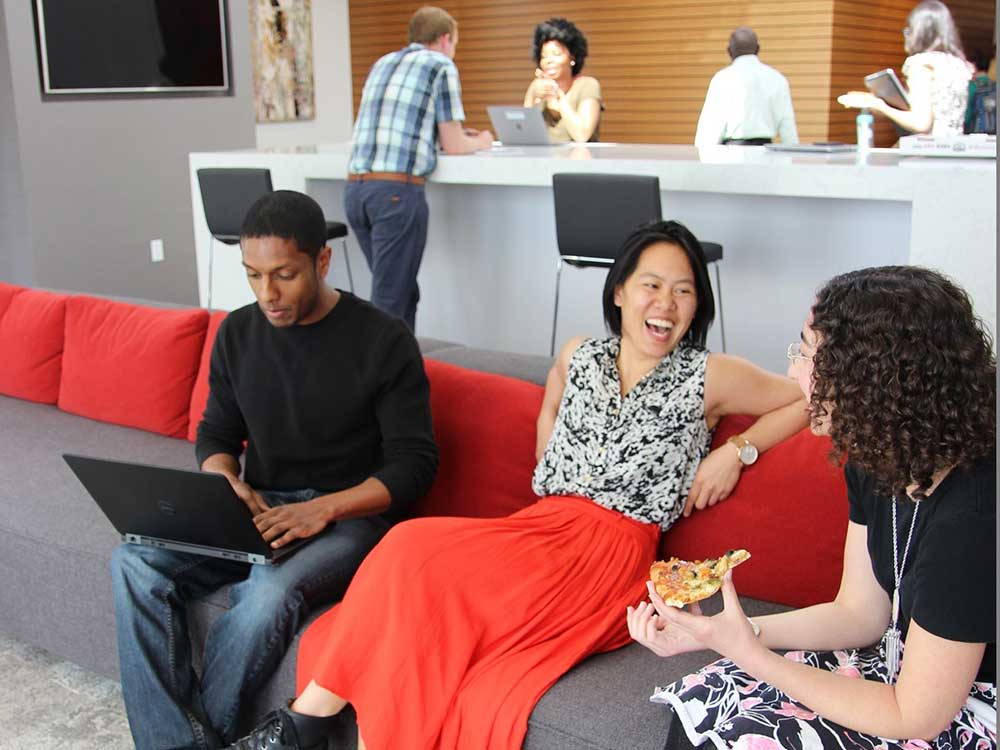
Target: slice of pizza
679, 582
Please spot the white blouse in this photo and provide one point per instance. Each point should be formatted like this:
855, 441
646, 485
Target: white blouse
637, 455
949, 86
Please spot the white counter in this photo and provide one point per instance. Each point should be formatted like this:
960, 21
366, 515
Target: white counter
787, 223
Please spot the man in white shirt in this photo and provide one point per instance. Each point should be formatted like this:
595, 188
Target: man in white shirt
748, 103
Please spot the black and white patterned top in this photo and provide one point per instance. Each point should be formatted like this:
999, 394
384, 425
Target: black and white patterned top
637, 455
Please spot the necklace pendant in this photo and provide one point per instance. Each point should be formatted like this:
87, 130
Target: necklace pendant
895, 606
892, 644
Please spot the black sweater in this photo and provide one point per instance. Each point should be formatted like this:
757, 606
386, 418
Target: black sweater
322, 406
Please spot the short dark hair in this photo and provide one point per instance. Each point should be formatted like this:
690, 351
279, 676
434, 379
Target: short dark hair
907, 374
290, 216
673, 233
743, 41
981, 60
566, 33
932, 29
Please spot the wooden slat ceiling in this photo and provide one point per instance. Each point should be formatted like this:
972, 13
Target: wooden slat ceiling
655, 58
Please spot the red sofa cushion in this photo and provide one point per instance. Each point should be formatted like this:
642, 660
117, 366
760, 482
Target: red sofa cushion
199, 396
7, 292
789, 510
31, 339
484, 425
131, 365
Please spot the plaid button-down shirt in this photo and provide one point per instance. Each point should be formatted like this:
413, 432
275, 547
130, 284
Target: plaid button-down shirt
406, 95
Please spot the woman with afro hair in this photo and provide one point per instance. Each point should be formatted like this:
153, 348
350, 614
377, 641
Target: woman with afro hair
570, 102
901, 375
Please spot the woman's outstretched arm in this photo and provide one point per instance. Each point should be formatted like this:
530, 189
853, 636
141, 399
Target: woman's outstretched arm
933, 683
735, 386
919, 118
856, 618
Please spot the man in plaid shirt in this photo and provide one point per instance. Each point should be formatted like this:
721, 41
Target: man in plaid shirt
411, 101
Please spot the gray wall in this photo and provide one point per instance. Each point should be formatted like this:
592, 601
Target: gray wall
103, 177
15, 246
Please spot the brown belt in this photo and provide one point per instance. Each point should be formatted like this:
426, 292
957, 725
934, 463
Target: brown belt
386, 177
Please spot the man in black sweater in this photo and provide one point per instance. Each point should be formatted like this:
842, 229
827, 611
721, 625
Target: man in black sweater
330, 398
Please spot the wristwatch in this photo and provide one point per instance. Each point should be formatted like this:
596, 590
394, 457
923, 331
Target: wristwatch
746, 450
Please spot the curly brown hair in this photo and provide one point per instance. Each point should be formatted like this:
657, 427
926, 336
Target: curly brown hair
566, 33
909, 371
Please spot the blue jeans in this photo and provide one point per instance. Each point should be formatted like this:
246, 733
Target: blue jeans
390, 221
167, 706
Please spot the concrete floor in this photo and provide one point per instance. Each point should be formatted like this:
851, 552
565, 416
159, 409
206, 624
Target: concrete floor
50, 704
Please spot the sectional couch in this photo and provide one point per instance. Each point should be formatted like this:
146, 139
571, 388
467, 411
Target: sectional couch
129, 381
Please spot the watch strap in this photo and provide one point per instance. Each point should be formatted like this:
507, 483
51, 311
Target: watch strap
740, 442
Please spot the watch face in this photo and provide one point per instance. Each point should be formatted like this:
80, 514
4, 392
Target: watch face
748, 454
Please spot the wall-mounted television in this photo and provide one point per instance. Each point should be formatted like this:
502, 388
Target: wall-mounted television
132, 46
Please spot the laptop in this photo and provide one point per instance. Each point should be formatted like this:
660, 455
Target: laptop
185, 511
821, 147
519, 126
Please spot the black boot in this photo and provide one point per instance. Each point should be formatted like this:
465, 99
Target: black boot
285, 729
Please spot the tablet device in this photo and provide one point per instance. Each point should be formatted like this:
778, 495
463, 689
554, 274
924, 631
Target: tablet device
886, 86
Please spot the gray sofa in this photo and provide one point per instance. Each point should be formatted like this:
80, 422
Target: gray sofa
55, 591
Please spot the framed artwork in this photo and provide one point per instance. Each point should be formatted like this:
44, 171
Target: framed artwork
281, 48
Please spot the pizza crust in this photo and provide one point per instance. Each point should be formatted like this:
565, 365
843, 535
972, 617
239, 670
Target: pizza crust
679, 582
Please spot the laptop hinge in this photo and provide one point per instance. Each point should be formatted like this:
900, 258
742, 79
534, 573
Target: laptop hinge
197, 549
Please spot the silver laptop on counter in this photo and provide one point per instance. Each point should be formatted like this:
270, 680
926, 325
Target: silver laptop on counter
519, 126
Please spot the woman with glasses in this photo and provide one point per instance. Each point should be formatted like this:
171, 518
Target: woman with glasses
937, 76
900, 373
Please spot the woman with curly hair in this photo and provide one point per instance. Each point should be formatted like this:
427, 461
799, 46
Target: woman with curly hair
937, 75
900, 373
571, 103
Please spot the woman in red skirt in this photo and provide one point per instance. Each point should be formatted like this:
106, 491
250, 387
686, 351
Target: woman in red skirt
454, 627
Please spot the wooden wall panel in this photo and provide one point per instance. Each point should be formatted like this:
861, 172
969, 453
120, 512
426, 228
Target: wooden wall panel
976, 21
654, 58
867, 36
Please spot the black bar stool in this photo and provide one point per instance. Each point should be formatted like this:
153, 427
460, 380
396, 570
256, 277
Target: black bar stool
594, 215
227, 194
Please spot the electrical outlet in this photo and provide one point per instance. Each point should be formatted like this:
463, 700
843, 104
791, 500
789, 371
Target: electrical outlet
156, 250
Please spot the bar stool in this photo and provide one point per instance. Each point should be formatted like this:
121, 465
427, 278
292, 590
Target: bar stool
596, 212
227, 194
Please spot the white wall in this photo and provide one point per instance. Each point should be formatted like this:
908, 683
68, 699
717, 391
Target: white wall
16, 256
103, 176
332, 81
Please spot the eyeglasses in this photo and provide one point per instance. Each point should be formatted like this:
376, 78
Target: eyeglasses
795, 352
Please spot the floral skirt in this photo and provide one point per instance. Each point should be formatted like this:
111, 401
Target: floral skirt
727, 707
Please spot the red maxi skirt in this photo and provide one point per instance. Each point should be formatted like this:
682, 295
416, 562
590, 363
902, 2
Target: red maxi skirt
453, 628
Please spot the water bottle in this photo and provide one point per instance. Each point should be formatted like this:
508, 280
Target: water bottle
866, 130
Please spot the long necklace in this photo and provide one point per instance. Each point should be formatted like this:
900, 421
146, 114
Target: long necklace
892, 640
